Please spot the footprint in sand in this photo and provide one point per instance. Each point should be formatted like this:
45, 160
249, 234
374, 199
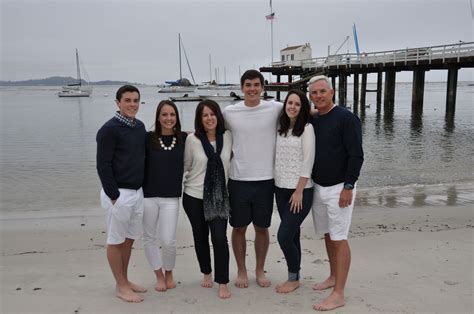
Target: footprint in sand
190, 300
450, 283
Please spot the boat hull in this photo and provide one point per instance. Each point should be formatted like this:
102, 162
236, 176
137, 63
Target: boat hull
177, 89
74, 93
219, 87
231, 97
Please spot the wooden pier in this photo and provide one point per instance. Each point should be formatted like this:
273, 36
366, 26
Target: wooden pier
418, 60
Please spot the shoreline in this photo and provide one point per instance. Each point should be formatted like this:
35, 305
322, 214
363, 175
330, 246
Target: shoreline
417, 259
459, 193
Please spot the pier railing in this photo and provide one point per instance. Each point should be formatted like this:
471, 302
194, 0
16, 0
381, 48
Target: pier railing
400, 56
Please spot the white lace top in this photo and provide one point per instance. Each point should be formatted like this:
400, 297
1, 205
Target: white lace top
294, 158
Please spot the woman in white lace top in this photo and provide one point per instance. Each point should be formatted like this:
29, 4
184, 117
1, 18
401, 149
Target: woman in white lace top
294, 160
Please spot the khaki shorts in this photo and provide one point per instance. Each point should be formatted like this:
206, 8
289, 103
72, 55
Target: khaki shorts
125, 217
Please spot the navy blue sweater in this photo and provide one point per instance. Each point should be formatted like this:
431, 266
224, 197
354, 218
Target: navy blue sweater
339, 154
120, 156
164, 168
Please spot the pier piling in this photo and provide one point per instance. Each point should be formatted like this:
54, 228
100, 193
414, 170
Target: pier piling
418, 89
363, 89
356, 90
379, 89
451, 92
389, 92
333, 81
342, 89
278, 92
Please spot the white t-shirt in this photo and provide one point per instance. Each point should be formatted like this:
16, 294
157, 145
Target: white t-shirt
294, 158
195, 163
254, 135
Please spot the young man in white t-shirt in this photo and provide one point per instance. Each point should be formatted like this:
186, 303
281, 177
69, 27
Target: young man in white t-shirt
253, 123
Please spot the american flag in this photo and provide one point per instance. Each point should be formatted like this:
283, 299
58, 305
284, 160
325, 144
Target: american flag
270, 16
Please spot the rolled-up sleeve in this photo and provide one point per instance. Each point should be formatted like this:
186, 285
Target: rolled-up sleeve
308, 142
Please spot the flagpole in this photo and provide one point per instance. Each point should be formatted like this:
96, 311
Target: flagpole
271, 27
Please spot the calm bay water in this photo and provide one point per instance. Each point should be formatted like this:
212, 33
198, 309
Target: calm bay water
48, 147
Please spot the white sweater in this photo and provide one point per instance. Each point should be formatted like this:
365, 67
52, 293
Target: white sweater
294, 158
254, 134
195, 163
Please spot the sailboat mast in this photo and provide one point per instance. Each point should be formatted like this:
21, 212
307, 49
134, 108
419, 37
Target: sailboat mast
78, 68
210, 72
179, 43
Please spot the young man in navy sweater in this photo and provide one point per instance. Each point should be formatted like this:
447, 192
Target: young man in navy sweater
338, 160
120, 165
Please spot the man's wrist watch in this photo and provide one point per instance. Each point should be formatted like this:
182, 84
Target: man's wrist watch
348, 186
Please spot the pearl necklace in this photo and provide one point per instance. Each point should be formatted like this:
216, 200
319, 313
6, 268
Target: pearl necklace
173, 142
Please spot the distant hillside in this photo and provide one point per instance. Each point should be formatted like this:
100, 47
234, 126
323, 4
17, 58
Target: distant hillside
60, 81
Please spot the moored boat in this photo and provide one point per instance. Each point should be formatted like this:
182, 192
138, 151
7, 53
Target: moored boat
76, 89
177, 89
74, 93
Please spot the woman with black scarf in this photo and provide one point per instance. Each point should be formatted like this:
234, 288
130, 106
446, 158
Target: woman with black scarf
205, 200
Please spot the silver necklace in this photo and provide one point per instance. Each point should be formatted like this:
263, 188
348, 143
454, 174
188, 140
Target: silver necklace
173, 142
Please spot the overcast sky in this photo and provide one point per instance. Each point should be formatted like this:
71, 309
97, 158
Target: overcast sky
137, 41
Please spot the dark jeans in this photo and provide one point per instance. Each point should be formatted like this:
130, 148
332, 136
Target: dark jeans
289, 230
218, 227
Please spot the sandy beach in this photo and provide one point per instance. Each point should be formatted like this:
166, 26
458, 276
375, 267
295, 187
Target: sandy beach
408, 260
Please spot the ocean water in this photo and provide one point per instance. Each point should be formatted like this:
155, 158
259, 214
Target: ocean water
47, 157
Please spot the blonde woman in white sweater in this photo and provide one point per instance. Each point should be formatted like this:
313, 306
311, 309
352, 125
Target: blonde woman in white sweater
294, 158
205, 200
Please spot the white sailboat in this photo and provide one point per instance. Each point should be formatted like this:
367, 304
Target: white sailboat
178, 86
76, 89
214, 84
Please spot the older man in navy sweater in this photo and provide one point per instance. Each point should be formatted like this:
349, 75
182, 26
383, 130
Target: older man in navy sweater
120, 165
338, 160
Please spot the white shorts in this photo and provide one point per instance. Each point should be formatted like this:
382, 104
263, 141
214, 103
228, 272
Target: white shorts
125, 217
328, 217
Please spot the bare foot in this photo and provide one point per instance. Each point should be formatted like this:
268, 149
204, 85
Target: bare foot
326, 284
287, 286
333, 301
242, 281
224, 293
206, 281
127, 294
170, 283
160, 280
160, 285
136, 288
262, 280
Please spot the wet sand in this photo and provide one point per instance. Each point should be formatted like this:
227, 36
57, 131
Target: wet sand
404, 259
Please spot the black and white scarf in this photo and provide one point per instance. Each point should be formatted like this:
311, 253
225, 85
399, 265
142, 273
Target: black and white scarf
215, 197
125, 120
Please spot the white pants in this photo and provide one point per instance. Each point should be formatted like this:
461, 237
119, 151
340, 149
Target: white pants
160, 218
125, 217
328, 217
